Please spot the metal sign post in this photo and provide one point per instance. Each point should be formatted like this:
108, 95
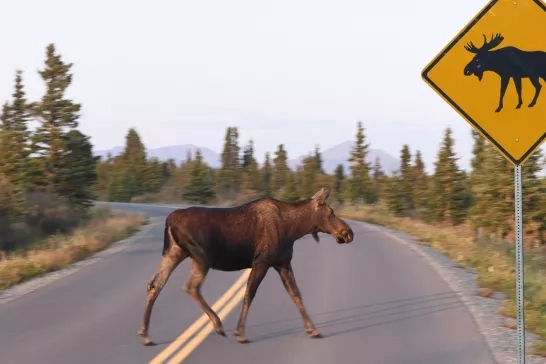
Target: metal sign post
519, 265
473, 74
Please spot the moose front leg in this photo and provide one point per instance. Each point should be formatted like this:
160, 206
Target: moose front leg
536, 83
289, 281
257, 274
503, 86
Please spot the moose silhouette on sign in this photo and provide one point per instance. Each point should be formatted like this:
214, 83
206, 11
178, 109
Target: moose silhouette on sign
507, 62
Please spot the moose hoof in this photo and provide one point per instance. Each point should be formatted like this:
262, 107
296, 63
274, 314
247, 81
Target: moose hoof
498, 109
221, 333
315, 334
518, 106
241, 337
531, 104
146, 340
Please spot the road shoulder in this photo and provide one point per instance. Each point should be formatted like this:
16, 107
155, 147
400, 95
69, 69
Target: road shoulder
500, 339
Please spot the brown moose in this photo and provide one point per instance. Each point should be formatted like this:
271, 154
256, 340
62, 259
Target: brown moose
257, 235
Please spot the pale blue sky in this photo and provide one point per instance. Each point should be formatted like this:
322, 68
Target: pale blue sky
300, 72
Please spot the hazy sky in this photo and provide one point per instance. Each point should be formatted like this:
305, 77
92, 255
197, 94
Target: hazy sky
300, 72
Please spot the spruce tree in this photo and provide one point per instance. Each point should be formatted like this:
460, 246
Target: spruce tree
57, 115
253, 175
309, 175
406, 175
248, 155
360, 169
449, 196
228, 177
200, 188
462, 198
395, 194
499, 193
280, 169
133, 164
379, 180
318, 160
181, 174
155, 174
339, 174
480, 181
420, 186
249, 167
77, 174
15, 137
290, 189
267, 173
477, 156
10, 212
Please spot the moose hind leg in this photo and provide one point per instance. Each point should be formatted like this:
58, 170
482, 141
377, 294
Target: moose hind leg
517, 83
257, 274
503, 86
289, 281
198, 273
536, 83
168, 264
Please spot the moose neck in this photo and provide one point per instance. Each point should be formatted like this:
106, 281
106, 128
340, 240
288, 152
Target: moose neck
299, 218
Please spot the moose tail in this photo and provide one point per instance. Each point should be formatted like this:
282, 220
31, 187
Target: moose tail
167, 239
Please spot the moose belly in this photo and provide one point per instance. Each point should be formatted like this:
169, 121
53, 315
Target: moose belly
231, 259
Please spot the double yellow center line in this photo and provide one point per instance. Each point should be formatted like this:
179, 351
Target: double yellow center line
198, 329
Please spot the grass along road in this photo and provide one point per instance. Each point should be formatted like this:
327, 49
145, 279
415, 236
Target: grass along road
59, 251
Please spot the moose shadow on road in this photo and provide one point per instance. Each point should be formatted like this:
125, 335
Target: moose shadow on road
365, 316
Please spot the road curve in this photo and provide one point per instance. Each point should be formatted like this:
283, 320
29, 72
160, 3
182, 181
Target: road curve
374, 300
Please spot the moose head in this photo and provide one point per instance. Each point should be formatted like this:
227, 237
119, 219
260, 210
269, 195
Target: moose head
326, 221
483, 59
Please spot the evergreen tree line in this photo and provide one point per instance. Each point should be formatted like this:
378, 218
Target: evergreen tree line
46, 174
482, 198
49, 176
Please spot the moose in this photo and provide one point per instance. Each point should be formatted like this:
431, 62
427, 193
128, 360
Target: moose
507, 62
257, 235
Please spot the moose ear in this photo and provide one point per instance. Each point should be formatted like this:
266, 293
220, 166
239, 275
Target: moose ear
321, 196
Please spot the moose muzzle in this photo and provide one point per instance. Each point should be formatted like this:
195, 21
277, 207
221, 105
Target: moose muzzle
345, 236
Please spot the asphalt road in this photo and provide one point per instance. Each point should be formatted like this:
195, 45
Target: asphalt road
374, 300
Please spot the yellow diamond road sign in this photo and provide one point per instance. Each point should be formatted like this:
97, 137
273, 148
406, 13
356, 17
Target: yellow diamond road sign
492, 74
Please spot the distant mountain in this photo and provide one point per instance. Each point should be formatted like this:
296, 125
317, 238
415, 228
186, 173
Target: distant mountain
339, 154
331, 157
176, 152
